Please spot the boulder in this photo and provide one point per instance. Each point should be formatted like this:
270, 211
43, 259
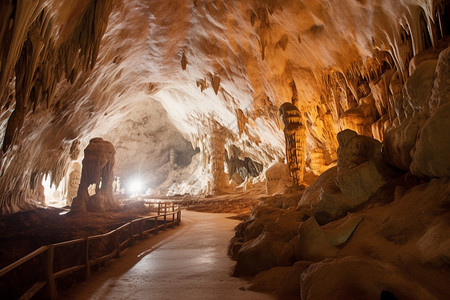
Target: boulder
278, 179
434, 246
281, 280
263, 253
261, 216
430, 155
312, 243
359, 278
412, 113
326, 181
251, 229
269, 245
360, 172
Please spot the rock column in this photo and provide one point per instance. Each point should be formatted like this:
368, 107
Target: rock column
97, 169
217, 148
295, 135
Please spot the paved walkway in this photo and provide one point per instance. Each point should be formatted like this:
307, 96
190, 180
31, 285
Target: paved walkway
187, 262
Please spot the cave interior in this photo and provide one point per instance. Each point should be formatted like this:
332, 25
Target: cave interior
323, 124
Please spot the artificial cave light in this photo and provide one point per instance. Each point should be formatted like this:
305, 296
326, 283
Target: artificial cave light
135, 187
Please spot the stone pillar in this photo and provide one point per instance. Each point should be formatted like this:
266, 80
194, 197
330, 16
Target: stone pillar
172, 157
217, 147
73, 182
295, 135
97, 169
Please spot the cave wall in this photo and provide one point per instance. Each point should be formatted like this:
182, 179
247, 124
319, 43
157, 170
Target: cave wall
70, 72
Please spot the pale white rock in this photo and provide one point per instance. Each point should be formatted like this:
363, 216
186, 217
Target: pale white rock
398, 141
431, 155
278, 178
440, 93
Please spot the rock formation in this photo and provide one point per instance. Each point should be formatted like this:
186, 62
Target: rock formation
216, 142
63, 83
367, 91
278, 179
357, 221
98, 164
295, 135
73, 182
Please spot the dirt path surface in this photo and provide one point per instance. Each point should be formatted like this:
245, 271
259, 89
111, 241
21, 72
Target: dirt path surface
187, 262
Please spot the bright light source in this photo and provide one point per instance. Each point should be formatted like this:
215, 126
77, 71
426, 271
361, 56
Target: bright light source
135, 187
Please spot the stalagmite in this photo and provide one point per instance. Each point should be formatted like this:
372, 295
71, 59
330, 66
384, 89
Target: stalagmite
73, 182
98, 164
295, 135
217, 145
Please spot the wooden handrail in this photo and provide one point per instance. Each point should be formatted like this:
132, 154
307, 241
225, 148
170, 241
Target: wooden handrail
71, 242
23, 260
134, 231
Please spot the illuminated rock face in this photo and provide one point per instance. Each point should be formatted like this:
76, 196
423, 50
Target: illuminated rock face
98, 164
360, 172
295, 135
73, 182
278, 179
70, 71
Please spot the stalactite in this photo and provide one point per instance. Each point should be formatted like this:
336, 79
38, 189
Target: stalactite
183, 61
202, 84
215, 83
283, 42
25, 12
29, 54
242, 120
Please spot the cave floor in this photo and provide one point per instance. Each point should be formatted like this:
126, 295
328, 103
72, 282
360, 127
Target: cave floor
23, 232
189, 261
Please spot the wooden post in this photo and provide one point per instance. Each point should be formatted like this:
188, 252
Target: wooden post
179, 217
88, 268
141, 228
132, 233
159, 208
116, 242
50, 280
165, 219
173, 212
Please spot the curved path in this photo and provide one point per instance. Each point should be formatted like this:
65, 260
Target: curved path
187, 262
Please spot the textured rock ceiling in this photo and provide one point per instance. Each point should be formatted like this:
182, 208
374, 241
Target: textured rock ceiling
183, 70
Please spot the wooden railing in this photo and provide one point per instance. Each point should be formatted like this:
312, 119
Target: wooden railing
122, 238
